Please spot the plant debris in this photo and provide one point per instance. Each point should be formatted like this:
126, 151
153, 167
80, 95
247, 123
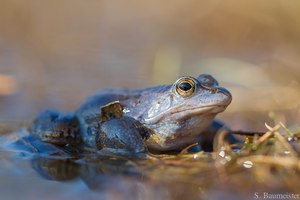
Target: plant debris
265, 162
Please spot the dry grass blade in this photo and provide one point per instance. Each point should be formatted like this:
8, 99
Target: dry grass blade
185, 150
285, 144
287, 130
268, 134
220, 141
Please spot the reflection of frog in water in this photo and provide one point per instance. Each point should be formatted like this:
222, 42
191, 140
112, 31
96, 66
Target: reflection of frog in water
131, 122
96, 173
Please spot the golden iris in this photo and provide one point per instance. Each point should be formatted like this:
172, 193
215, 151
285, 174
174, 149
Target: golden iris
185, 86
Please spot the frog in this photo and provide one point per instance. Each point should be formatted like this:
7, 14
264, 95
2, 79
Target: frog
159, 119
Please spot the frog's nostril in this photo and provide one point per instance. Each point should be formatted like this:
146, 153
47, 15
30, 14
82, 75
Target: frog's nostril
213, 90
224, 91
216, 89
208, 87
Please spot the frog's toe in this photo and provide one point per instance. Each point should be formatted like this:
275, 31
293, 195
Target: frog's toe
30, 145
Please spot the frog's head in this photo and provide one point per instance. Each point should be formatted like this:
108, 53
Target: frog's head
178, 113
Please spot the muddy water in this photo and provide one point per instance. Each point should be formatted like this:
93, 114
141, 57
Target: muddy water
36, 178
30, 179
86, 178
28, 175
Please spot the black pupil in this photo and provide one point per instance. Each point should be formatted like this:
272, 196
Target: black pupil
185, 86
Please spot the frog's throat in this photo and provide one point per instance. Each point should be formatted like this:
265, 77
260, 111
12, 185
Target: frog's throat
188, 112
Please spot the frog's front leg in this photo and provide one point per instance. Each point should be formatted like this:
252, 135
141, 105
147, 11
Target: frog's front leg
123, 136
120, 134
55, 128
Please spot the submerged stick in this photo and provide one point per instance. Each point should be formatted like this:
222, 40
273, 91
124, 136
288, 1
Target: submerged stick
248, 133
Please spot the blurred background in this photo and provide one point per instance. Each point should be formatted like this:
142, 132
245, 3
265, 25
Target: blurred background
54, 54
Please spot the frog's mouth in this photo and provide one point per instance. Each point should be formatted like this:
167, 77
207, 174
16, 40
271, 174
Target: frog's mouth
178, 113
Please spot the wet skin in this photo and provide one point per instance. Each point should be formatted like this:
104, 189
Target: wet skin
157, 119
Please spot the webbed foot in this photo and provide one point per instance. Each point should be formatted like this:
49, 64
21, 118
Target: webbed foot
52, 127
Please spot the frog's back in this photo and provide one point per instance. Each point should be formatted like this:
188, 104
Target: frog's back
93, 104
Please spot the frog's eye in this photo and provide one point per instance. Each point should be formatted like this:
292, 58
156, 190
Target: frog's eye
185, 86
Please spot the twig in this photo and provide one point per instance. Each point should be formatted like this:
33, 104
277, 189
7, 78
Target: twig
248, 133
268, 134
